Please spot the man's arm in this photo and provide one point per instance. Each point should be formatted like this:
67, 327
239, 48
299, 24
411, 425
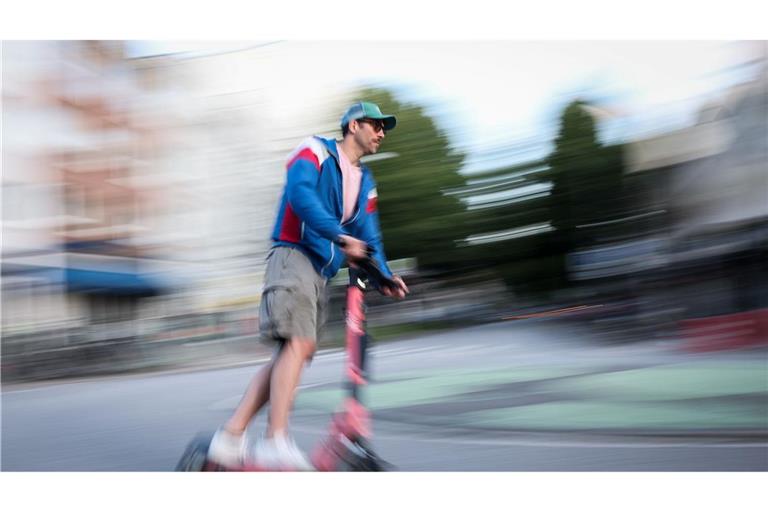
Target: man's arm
301, 192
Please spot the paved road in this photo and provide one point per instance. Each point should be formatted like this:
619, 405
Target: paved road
523, 396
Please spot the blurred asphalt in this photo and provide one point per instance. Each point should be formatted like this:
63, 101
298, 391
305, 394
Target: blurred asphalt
540, 376
523, 395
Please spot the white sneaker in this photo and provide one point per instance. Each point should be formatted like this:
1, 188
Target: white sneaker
228, 449
280, 453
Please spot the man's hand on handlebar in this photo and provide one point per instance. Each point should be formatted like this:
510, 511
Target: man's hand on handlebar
397, 292
356, 251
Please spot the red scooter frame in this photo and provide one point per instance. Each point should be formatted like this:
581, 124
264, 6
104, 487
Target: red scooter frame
347, 446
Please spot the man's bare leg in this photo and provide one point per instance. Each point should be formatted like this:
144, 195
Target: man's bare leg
285, 379
253, 400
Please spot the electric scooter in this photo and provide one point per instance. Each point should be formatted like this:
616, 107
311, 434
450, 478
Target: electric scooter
347, 446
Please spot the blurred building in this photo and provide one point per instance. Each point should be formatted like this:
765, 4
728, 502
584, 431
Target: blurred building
104, 235
695, 247
138, 197
75, 146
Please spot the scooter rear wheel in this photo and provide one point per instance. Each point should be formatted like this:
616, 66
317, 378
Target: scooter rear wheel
195, 457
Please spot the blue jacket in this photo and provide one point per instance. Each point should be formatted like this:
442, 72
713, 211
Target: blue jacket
310, 211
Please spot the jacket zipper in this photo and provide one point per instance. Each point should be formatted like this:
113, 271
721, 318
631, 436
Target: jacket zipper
357, 213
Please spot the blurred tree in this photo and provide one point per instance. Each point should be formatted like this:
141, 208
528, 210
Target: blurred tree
417, 218
548, 208
511, 212
565, 199
587, 178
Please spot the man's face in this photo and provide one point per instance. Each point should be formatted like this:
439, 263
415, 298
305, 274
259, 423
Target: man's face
369, 134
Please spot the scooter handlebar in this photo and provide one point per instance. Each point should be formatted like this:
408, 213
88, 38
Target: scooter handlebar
375, 276
371, 269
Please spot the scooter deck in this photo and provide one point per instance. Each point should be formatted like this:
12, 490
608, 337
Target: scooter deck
336, 458
195, 459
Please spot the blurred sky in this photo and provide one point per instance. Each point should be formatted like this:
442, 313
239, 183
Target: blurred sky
489, 93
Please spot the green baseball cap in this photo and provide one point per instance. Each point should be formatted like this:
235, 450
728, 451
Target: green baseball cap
366, 109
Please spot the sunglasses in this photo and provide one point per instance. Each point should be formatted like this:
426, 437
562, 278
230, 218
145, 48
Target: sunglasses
376, 124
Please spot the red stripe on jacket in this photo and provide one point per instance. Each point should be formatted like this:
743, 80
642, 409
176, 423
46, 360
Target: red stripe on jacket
290, 230
305, 154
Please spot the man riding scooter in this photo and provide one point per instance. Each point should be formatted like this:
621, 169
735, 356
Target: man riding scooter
328, 213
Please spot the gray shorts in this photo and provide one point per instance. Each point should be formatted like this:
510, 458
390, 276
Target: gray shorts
294, 301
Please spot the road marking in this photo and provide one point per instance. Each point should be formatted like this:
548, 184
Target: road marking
39, 388
377, 352
329, 355
399, 352
551, 444
315, 385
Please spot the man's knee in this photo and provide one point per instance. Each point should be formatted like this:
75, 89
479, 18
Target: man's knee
304, 346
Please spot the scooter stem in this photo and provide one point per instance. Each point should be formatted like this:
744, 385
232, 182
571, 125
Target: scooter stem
357, 339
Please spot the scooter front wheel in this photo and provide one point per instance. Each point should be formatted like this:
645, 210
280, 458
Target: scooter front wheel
362, 458
364, 465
